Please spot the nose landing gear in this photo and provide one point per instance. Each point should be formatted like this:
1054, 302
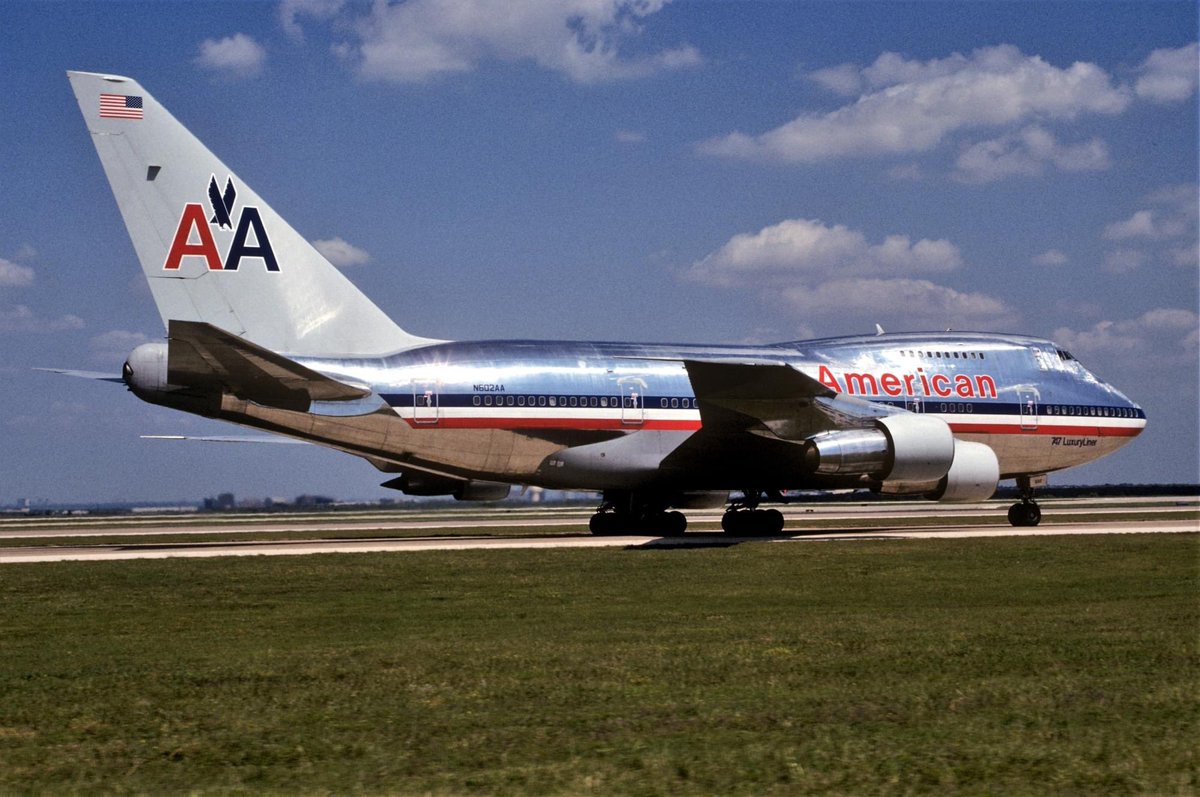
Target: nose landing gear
1027, 512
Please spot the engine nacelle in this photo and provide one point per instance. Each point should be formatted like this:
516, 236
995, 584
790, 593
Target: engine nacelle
906, 448
973, 476
423, 484
145, 370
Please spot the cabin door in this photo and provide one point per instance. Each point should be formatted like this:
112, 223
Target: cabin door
425, 402
633, 400
1029, 408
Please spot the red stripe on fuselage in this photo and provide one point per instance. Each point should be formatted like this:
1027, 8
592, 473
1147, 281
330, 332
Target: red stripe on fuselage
555, 423
685, 425
1063, 431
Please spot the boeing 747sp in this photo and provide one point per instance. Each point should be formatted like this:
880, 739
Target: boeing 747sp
264, 332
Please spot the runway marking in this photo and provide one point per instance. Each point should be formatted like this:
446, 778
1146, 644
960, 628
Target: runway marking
691, 540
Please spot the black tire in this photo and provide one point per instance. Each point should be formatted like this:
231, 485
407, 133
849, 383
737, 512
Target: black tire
771, 521
672, 524
1033, 514
603, 523
733, 522
1015, 515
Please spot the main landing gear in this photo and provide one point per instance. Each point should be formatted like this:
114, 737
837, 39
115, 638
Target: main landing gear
1027, 512
626, 515
745, 519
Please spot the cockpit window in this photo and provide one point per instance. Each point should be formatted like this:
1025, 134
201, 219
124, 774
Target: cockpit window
1064, 355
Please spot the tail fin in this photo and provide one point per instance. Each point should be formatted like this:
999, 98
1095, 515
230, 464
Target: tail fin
211, 249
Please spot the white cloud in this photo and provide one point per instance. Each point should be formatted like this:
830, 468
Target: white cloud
341, 253
844, 79
807, 247
906, 171
1123, 261
290, 12
1162, 335
237, 55
21, 319
1051, 257
1169, 75
1027, 154
115, 344
630, 137
14, 276
905, 302
1185, 256
1149, 224
1168, 228
915, 105
581, 39
833, 277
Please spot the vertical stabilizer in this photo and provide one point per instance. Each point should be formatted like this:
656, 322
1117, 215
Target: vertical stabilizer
211, 249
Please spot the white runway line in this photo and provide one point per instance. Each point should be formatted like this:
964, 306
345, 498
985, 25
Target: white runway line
700, 539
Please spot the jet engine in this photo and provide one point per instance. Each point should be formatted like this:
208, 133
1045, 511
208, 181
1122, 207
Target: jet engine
908, 455
908, 448
973, 476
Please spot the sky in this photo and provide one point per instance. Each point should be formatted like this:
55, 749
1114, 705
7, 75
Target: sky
710, 172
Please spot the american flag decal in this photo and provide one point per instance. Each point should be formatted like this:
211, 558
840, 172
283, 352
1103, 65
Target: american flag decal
120, 106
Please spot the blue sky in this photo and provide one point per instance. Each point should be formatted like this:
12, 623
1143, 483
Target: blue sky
692, 171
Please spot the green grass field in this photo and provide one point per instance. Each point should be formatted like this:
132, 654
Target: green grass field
1015, 665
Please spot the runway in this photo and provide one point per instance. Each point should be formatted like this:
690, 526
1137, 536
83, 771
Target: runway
861, 523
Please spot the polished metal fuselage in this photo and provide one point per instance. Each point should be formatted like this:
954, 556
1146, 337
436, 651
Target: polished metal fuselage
605, 416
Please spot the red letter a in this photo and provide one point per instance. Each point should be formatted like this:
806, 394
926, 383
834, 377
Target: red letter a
826, 378
193, 217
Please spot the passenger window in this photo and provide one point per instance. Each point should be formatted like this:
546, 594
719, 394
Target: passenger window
475, 400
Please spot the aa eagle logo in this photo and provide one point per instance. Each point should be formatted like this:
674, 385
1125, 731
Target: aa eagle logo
194, 235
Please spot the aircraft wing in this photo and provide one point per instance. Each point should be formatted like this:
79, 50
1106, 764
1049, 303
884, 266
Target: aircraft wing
200, 355
773, 399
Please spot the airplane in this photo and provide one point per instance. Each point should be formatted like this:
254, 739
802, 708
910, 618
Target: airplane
264, 332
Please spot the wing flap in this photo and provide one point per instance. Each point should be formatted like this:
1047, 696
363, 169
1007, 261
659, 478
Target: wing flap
773, 399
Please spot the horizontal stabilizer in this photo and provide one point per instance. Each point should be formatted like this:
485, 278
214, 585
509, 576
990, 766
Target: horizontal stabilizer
204, 357
99, 376
274, 440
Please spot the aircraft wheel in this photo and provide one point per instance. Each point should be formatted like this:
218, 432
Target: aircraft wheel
1025, 514
734, 522
672, 524
771, 522
604, 523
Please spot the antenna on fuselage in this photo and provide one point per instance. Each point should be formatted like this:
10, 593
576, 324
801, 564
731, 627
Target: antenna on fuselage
879, 330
